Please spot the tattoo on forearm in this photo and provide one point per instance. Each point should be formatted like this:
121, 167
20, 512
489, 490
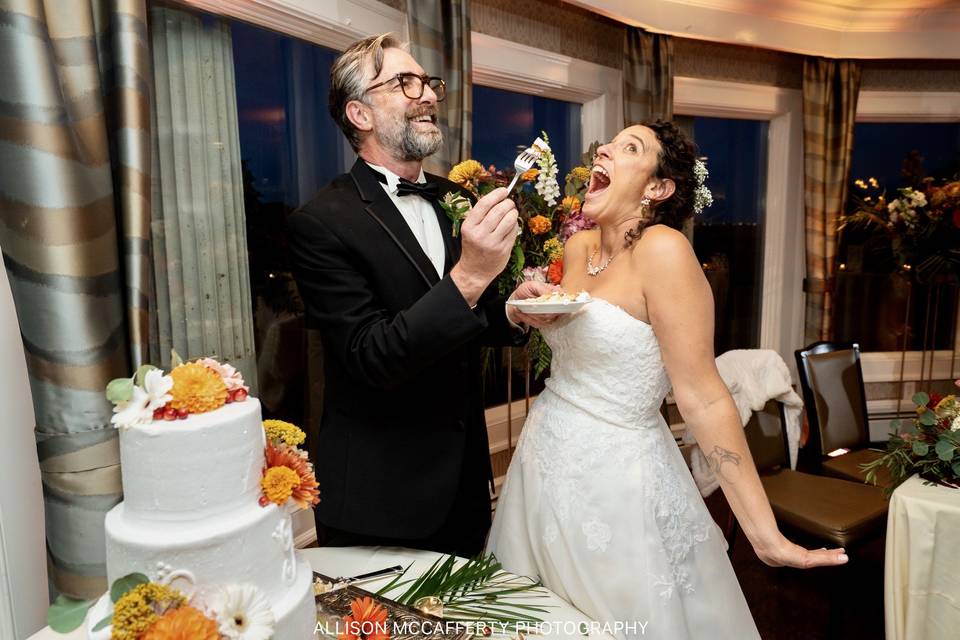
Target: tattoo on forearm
718, 457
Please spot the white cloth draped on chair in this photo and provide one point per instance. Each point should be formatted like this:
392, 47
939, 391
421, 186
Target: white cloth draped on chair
754, 376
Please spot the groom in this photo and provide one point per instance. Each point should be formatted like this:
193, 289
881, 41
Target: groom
402, 307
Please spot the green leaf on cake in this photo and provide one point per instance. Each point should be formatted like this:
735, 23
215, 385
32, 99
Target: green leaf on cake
120, 390
103, 624
122, 585
66, 613
142, 372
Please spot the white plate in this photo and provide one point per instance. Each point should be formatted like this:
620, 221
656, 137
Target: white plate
530, 307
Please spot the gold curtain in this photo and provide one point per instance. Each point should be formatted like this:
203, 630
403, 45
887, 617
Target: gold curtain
440, 41
830, 90
647, 76
74, 230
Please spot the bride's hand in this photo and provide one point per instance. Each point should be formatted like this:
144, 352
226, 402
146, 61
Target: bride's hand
788, 554
531, 289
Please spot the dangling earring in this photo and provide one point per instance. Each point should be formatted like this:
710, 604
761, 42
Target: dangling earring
645, 208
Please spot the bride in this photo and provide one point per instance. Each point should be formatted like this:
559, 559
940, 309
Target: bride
598, 502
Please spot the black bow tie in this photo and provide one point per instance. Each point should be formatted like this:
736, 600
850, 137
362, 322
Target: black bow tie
427, 190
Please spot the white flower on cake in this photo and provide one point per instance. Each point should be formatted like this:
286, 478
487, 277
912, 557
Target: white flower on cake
154, 394
242, 612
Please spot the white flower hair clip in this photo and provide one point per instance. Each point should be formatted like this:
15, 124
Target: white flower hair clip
702, 198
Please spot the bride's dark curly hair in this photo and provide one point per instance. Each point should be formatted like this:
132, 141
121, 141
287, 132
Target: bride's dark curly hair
675, 161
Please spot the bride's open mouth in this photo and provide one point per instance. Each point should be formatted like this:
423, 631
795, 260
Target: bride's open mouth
599, 181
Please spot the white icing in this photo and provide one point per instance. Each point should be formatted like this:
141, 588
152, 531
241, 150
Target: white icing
188, 469
191, 518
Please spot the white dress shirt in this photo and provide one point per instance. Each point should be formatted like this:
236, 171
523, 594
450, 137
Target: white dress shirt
419, 215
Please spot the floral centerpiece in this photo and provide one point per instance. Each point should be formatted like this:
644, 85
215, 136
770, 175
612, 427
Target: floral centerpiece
156, 610
548, 215
190, 387
288, 476
922, 223
930, 448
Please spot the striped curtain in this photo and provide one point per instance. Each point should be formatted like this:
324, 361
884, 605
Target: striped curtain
647, 76
830, 90
74, 231
440, 41
199, 229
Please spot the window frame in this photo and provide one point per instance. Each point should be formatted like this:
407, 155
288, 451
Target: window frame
884, 366
782, 298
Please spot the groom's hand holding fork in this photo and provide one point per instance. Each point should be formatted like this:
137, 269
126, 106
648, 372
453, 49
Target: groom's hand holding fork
487, 237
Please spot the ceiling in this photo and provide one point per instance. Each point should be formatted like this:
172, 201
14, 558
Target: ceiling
831, 28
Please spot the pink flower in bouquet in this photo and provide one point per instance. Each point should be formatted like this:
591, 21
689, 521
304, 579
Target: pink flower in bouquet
535, 274
574, 222
231, 377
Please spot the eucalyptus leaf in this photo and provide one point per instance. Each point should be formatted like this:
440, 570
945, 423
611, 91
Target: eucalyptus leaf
141, 373
103, 624
67, 614
123, 585
921, 399
896, 424
120, 390
945, 449
956, 467
928, 418
920, 448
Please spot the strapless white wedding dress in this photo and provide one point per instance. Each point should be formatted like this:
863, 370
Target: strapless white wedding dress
598, 501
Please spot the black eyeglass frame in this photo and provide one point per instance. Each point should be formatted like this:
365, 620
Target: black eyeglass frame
425, 81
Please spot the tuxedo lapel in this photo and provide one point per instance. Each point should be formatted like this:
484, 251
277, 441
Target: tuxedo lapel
451, 245
382, 210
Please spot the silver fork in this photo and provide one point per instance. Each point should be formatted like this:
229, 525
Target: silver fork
525, 161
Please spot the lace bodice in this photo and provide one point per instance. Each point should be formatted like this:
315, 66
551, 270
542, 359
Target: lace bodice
608, 362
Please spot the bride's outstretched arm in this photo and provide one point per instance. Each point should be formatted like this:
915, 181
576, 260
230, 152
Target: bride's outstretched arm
680, 307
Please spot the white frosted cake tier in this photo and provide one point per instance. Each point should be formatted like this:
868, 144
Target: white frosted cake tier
251, 544
190, 469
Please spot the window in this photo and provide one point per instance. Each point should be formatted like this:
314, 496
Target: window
505, 122
728, 236
290, 148
874, 304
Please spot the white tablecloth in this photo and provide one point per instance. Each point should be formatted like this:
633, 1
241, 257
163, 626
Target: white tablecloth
922, 564
562, 620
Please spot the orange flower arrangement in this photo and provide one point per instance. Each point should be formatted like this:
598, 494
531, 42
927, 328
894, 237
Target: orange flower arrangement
555, 272
570, 204
305, 493
196, 389
367, 621
539, 224
530, 175
185, 623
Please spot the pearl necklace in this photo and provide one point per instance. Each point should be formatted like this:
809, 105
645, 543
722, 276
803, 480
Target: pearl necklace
595, 271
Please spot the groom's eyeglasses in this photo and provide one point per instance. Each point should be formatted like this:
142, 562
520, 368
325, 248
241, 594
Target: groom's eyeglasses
412, 85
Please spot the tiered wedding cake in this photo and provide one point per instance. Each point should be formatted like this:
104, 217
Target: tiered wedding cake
203, 515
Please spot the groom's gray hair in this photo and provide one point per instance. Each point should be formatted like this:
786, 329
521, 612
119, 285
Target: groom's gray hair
350, 75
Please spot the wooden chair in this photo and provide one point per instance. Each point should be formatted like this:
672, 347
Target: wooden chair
832, 381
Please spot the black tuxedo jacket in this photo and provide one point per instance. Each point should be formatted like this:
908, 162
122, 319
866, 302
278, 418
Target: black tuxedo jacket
403, 411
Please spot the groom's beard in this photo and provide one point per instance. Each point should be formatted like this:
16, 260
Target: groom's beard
401, 136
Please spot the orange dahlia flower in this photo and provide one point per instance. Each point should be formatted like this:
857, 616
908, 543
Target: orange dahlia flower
539, 225
555, 272
185, 623
196, 389
530, 175
306, 493
367, 621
